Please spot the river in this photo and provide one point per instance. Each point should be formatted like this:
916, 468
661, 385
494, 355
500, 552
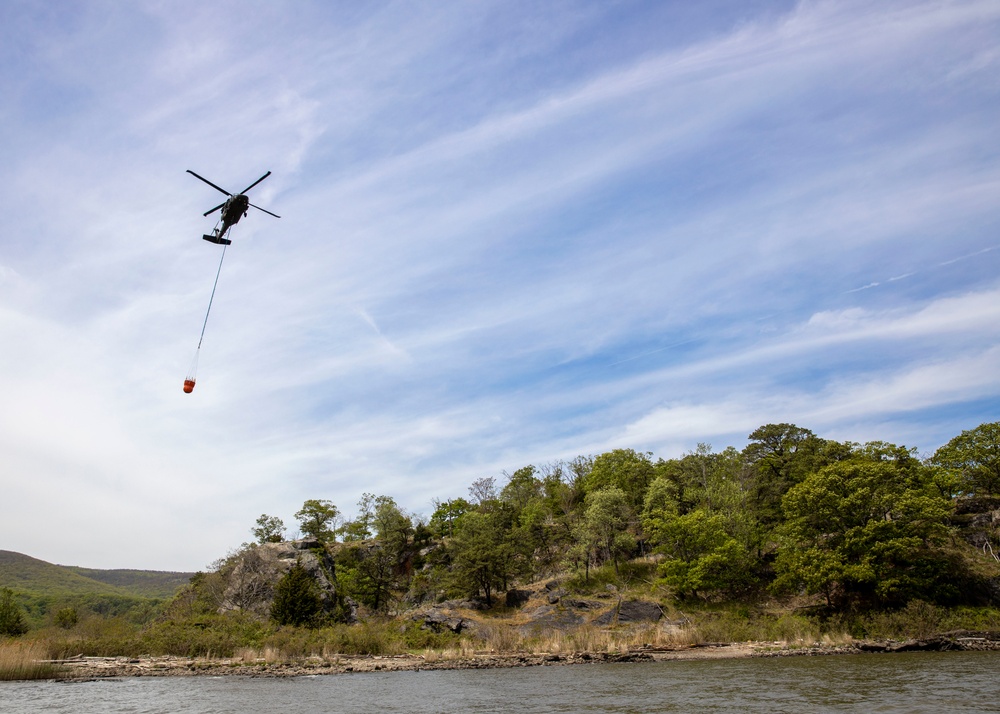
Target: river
914, 682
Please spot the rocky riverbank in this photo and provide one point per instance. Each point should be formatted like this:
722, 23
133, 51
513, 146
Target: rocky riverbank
169, 666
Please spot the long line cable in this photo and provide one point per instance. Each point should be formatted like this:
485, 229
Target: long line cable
189, 381
214, 285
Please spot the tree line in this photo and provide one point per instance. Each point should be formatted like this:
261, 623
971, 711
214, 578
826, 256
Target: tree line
854, 525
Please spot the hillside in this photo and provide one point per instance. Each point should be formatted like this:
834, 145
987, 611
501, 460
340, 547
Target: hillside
25, 574
144, 583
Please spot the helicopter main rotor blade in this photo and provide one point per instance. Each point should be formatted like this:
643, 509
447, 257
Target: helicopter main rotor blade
206, 213
210, 183
256, 182
266, 211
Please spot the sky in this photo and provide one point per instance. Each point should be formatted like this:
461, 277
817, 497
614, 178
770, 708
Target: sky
511, 233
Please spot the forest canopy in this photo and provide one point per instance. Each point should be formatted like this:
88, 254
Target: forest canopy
851, 525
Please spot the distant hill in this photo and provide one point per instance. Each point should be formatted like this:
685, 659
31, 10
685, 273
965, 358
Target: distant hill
37, 577
146, 583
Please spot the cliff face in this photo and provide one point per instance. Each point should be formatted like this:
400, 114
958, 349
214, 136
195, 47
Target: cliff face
251, 582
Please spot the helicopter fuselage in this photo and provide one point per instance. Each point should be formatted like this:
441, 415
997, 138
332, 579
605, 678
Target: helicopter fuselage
236, 207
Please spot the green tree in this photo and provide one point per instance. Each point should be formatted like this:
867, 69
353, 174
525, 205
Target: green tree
866, 529
297, 599
382, 567
66, 618
12, 622
446, 515
974, 457
628, 470
780, 456
701, 557
361, 527
522, 487
270, 529
484, 558
605, 525
318, 518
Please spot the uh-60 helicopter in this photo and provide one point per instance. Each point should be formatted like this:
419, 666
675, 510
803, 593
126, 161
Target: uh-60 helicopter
233, 209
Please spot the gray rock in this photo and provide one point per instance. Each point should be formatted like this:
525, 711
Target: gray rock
555, 595
631, 611
581, 604
516, 598
440, 619
548, 618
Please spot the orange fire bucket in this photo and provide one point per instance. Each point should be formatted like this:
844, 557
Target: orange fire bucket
188, 386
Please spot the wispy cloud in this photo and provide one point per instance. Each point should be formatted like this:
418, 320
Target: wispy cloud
510, 233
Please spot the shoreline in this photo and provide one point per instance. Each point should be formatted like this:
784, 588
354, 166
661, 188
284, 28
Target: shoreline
90, 668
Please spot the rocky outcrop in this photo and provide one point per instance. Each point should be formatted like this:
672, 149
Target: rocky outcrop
549, 618
252, 578
445, 617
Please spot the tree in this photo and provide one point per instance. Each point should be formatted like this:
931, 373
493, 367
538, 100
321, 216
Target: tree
12, 622
974, 456
521, 488
701, 556
483, 490
628, 470
318, 518
270, 529
782, 455
67, 618
382, 567
868, 529
483, 554
446, 515
297, 598
247, 579
361, 527
606, 522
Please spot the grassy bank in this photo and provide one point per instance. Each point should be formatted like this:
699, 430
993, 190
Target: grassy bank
246, 637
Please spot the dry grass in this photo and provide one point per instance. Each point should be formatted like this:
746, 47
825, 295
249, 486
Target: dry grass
250, 655
26, 660
501, 638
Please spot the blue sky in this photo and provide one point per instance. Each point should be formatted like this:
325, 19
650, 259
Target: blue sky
511, 233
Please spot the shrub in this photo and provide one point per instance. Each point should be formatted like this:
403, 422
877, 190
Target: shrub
12, 622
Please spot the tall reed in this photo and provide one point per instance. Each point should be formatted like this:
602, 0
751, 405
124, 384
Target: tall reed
25, 660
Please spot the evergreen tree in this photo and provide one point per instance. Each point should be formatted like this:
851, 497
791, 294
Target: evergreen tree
297, 598
484, 556
12, 621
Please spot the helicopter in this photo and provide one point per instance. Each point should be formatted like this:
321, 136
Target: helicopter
233, 209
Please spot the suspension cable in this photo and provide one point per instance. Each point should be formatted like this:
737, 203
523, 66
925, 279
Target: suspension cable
214, 285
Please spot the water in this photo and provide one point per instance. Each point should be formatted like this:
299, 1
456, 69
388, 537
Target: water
918, 682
